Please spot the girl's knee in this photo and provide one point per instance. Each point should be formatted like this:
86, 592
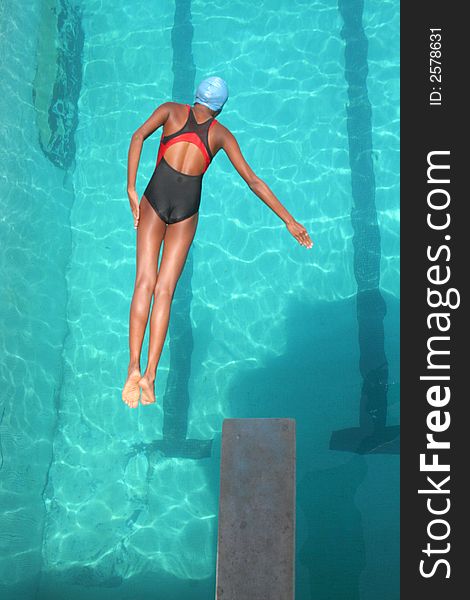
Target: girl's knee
146, 284
164, 289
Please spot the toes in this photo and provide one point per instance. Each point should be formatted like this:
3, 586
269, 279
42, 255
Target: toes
130, 393
132, 403
147, 399
147, 389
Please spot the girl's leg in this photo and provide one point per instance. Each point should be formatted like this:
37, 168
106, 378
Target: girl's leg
150, 233
178, 239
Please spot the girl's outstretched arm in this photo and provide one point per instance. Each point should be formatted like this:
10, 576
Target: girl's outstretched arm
259, 187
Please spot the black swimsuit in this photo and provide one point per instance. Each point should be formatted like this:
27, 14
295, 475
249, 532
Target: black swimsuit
174, 195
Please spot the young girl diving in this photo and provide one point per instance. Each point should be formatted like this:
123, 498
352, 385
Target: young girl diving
168, 215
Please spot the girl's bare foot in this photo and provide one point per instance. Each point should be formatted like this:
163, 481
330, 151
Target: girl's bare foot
131, 390
147, 386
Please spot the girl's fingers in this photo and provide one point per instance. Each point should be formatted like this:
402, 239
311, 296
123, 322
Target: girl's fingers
302, 236
136, 213
305, 240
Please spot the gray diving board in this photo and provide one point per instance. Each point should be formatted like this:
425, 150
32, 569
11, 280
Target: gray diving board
256, 535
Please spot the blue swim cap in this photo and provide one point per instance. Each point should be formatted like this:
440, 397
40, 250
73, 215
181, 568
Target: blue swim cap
212, 92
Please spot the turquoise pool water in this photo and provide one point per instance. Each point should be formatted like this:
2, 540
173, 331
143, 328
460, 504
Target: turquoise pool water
260, 326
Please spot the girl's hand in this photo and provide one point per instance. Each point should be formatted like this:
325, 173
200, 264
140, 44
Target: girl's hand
135, 208
300, 233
